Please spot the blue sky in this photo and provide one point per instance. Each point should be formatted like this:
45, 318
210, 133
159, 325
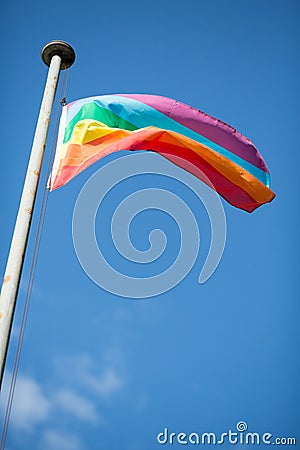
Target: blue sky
101, 372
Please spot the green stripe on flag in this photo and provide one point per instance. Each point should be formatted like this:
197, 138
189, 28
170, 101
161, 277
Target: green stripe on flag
93, 111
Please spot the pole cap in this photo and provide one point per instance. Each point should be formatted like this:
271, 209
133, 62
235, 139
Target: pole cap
59, 48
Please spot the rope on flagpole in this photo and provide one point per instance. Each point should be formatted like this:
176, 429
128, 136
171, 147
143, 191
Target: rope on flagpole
34, 260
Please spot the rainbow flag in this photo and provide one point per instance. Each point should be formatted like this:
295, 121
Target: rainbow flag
94, 127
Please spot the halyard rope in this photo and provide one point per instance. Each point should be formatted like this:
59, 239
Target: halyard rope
34, 260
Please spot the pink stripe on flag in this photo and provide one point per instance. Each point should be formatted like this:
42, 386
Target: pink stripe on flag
208, 126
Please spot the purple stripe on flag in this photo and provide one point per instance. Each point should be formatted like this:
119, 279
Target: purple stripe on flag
209, 127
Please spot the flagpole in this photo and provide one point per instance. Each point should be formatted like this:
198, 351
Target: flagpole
57, 55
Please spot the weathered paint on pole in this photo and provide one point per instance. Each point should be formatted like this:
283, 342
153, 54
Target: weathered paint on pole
58, 55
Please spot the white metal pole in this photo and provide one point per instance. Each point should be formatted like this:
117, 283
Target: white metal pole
57, 55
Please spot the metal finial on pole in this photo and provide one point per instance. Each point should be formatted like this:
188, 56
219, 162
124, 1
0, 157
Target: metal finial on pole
58, 55
61, 49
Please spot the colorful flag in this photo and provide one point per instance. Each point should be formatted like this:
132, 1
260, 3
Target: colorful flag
94, 127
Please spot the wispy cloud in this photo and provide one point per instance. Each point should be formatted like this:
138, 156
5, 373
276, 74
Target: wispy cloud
106, 384
30, 405
76, 405
60, 399
56, 440
103, 383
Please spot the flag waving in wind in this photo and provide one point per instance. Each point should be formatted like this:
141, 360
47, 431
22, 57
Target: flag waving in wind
94, 127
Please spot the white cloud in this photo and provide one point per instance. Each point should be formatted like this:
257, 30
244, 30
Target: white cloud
30, 405
104, 385
85, 374
76, 405
54, 440
34, 405
16, 329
